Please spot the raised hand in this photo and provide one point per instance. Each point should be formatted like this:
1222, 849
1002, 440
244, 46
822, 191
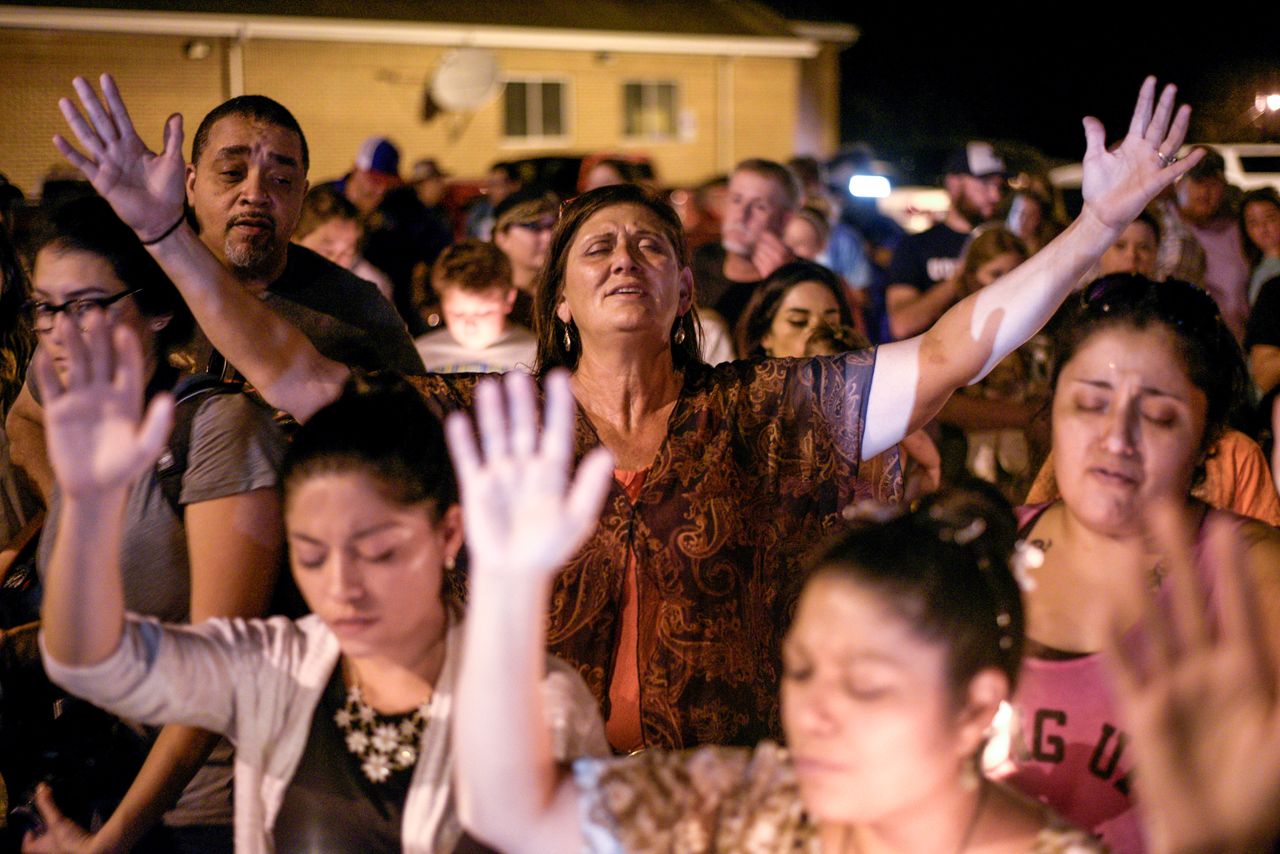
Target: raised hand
1118, 184
523, 515
770, 254
98, 441
1201, 708
145, 189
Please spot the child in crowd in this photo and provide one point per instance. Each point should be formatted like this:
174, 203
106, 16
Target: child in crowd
473, 279
330, 226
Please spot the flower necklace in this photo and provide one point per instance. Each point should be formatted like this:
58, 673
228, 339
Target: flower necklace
382, 744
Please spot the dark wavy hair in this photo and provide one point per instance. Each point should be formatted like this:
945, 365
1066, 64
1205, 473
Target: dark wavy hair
88, 224
1209, 352
761, 310
549, 285
945, 569
17, 341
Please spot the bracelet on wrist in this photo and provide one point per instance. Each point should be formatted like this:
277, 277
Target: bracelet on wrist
170, 230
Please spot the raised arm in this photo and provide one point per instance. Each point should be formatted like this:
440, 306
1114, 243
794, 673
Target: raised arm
98, 444
524, 518
1202, 709
146, 191
914, 378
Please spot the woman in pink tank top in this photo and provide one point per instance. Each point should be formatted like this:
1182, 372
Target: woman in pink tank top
1147, 374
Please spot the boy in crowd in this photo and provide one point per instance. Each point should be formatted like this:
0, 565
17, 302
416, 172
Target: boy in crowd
473, 281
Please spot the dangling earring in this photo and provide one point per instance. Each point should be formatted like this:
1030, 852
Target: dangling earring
679, 336
568, 341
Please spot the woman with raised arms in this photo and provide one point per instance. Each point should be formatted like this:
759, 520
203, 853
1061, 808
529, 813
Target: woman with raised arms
340, 720
674, 609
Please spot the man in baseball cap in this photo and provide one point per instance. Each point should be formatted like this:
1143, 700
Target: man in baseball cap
921, 286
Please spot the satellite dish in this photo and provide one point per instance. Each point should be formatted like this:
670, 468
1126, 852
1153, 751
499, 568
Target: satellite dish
465, 79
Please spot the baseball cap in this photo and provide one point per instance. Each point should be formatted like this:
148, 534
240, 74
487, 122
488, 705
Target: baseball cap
425, 170
524, 206
379, 154
977, 158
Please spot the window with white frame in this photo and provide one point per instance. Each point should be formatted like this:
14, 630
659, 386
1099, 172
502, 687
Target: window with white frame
535, 108
650, 109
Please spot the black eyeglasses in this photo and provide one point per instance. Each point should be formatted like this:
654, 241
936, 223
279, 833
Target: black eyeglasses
41, 314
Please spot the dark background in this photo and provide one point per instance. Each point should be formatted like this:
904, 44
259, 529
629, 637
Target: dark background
918, 76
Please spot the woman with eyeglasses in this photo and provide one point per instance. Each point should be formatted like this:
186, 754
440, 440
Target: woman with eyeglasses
1146, 376
208, 545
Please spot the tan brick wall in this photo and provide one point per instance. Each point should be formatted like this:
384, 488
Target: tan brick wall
764, 107
342, 93
36, 68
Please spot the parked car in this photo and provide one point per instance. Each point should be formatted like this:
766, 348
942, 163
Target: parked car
1247, 165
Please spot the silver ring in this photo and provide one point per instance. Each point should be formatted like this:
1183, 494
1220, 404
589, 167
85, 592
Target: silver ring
1166, 159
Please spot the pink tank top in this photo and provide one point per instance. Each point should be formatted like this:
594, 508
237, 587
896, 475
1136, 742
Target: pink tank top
1073, 753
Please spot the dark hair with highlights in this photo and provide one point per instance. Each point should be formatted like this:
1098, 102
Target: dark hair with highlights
88, 224
758, 316
945, 569
549, 284
1209, 352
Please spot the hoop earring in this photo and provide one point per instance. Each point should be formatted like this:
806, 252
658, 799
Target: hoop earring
568, 340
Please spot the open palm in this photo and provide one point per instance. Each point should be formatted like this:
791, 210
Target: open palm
1119, 183
524, 516
1202, 709
145, 189
97, 439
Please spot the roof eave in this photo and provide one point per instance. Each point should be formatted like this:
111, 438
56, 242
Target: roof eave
397, 32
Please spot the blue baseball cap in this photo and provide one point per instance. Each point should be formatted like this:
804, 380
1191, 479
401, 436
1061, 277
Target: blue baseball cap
379, 154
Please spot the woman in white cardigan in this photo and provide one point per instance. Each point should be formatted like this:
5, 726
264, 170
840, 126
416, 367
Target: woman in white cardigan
340, 720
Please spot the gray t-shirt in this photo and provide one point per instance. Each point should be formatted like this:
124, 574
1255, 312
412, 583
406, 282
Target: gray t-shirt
235, 447
442, 354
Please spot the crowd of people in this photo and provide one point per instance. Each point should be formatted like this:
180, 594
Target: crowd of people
725, 560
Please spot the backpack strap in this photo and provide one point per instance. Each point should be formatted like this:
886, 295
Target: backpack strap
189, 393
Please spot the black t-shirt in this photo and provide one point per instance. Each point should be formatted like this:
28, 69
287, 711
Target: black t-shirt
922, 260
330, 805
713, 290
1264, 319
344, 316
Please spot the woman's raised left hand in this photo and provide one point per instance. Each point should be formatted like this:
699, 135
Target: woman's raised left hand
97, 436
1119, 183
524, 516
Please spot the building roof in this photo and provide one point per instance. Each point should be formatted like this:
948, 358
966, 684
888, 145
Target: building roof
740, 18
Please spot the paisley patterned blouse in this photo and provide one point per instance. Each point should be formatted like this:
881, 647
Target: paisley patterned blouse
717, 799
759, 459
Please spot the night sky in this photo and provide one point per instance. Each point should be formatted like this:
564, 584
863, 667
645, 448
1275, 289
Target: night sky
918, 76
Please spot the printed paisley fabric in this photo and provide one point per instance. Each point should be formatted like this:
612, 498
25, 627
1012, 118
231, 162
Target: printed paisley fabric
717, 799
759, 459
